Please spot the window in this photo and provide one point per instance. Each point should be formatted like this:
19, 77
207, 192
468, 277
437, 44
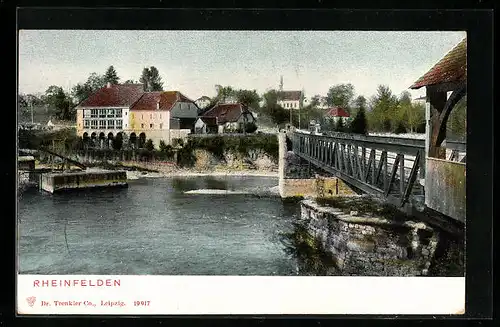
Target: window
93, 113
142, 125
150, 116
161, 126
151, 125
142, 116
118, 113
86, 123
102, 124
125, 125
111, 113
102, 113
126, 113
160, 116
111, 124
118, 124
93, 123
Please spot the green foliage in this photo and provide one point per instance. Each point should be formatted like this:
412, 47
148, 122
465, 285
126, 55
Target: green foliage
177, 142
359, 125
251, 127
149, 145
249, 98
117, 141
57, 98
151, 79
340, 126
456, 126
166, 149
111, 76
340, 95
400, 128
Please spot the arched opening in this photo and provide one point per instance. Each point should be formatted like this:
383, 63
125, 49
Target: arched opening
85, 139
142, 139
117, 142
133, 140
102, 137
110, 140
93, 139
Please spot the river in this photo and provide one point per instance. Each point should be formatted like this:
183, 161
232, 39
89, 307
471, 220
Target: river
154, 227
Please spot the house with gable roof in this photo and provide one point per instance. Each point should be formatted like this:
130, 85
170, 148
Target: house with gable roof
127, 110
291, 99
224, 118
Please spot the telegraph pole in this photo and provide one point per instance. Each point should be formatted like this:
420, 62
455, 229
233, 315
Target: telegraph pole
31, 105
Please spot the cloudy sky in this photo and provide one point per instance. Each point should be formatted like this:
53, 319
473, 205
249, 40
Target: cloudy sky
193, 62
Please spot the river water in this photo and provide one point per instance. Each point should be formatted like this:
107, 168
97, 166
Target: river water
155, 227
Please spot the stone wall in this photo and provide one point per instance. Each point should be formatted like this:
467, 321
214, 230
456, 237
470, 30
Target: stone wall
369, 246
297, 178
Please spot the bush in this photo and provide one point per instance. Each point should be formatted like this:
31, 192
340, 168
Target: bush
359, 125
117, 142
177, 142
400, 128
250, 127
340, 125
149, 145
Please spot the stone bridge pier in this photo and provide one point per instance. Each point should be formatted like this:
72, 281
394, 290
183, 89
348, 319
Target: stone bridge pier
298, 178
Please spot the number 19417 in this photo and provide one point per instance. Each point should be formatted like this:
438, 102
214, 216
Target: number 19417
141, 303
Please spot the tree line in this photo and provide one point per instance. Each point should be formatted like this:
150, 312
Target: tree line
62, 103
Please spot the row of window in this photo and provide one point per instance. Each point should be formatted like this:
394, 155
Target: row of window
110, 124
103, 113
103, 124
290, 105
150, 116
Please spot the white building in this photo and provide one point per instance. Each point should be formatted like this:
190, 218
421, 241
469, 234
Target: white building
291, 99
202, 102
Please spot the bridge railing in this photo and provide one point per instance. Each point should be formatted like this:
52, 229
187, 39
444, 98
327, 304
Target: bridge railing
382, 165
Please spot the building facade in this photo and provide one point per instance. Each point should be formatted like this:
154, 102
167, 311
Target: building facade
137, 115
291, 99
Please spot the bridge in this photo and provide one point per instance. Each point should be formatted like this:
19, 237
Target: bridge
420, 176
395, 170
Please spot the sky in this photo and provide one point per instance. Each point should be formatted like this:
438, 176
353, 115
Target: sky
193, 62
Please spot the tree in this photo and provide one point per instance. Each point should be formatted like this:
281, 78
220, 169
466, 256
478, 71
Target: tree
271, 108
130, 81
224, 92
340, 125
151, 79
251, 127
117, 141
57, 98
340, 95
149, 145
359, 125
383, 116
248, 98
111, 76
315, 100
82, 91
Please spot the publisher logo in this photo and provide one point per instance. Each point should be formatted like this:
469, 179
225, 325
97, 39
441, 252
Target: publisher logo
31, 300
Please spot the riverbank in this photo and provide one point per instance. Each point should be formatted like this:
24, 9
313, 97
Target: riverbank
137, 170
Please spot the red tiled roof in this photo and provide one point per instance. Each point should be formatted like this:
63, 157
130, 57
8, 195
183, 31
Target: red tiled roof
451, 68
167, 100
229, 112
290, 95
118, 95
337, 112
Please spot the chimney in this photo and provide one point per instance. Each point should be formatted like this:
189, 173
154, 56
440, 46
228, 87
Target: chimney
158, 105
108, 85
